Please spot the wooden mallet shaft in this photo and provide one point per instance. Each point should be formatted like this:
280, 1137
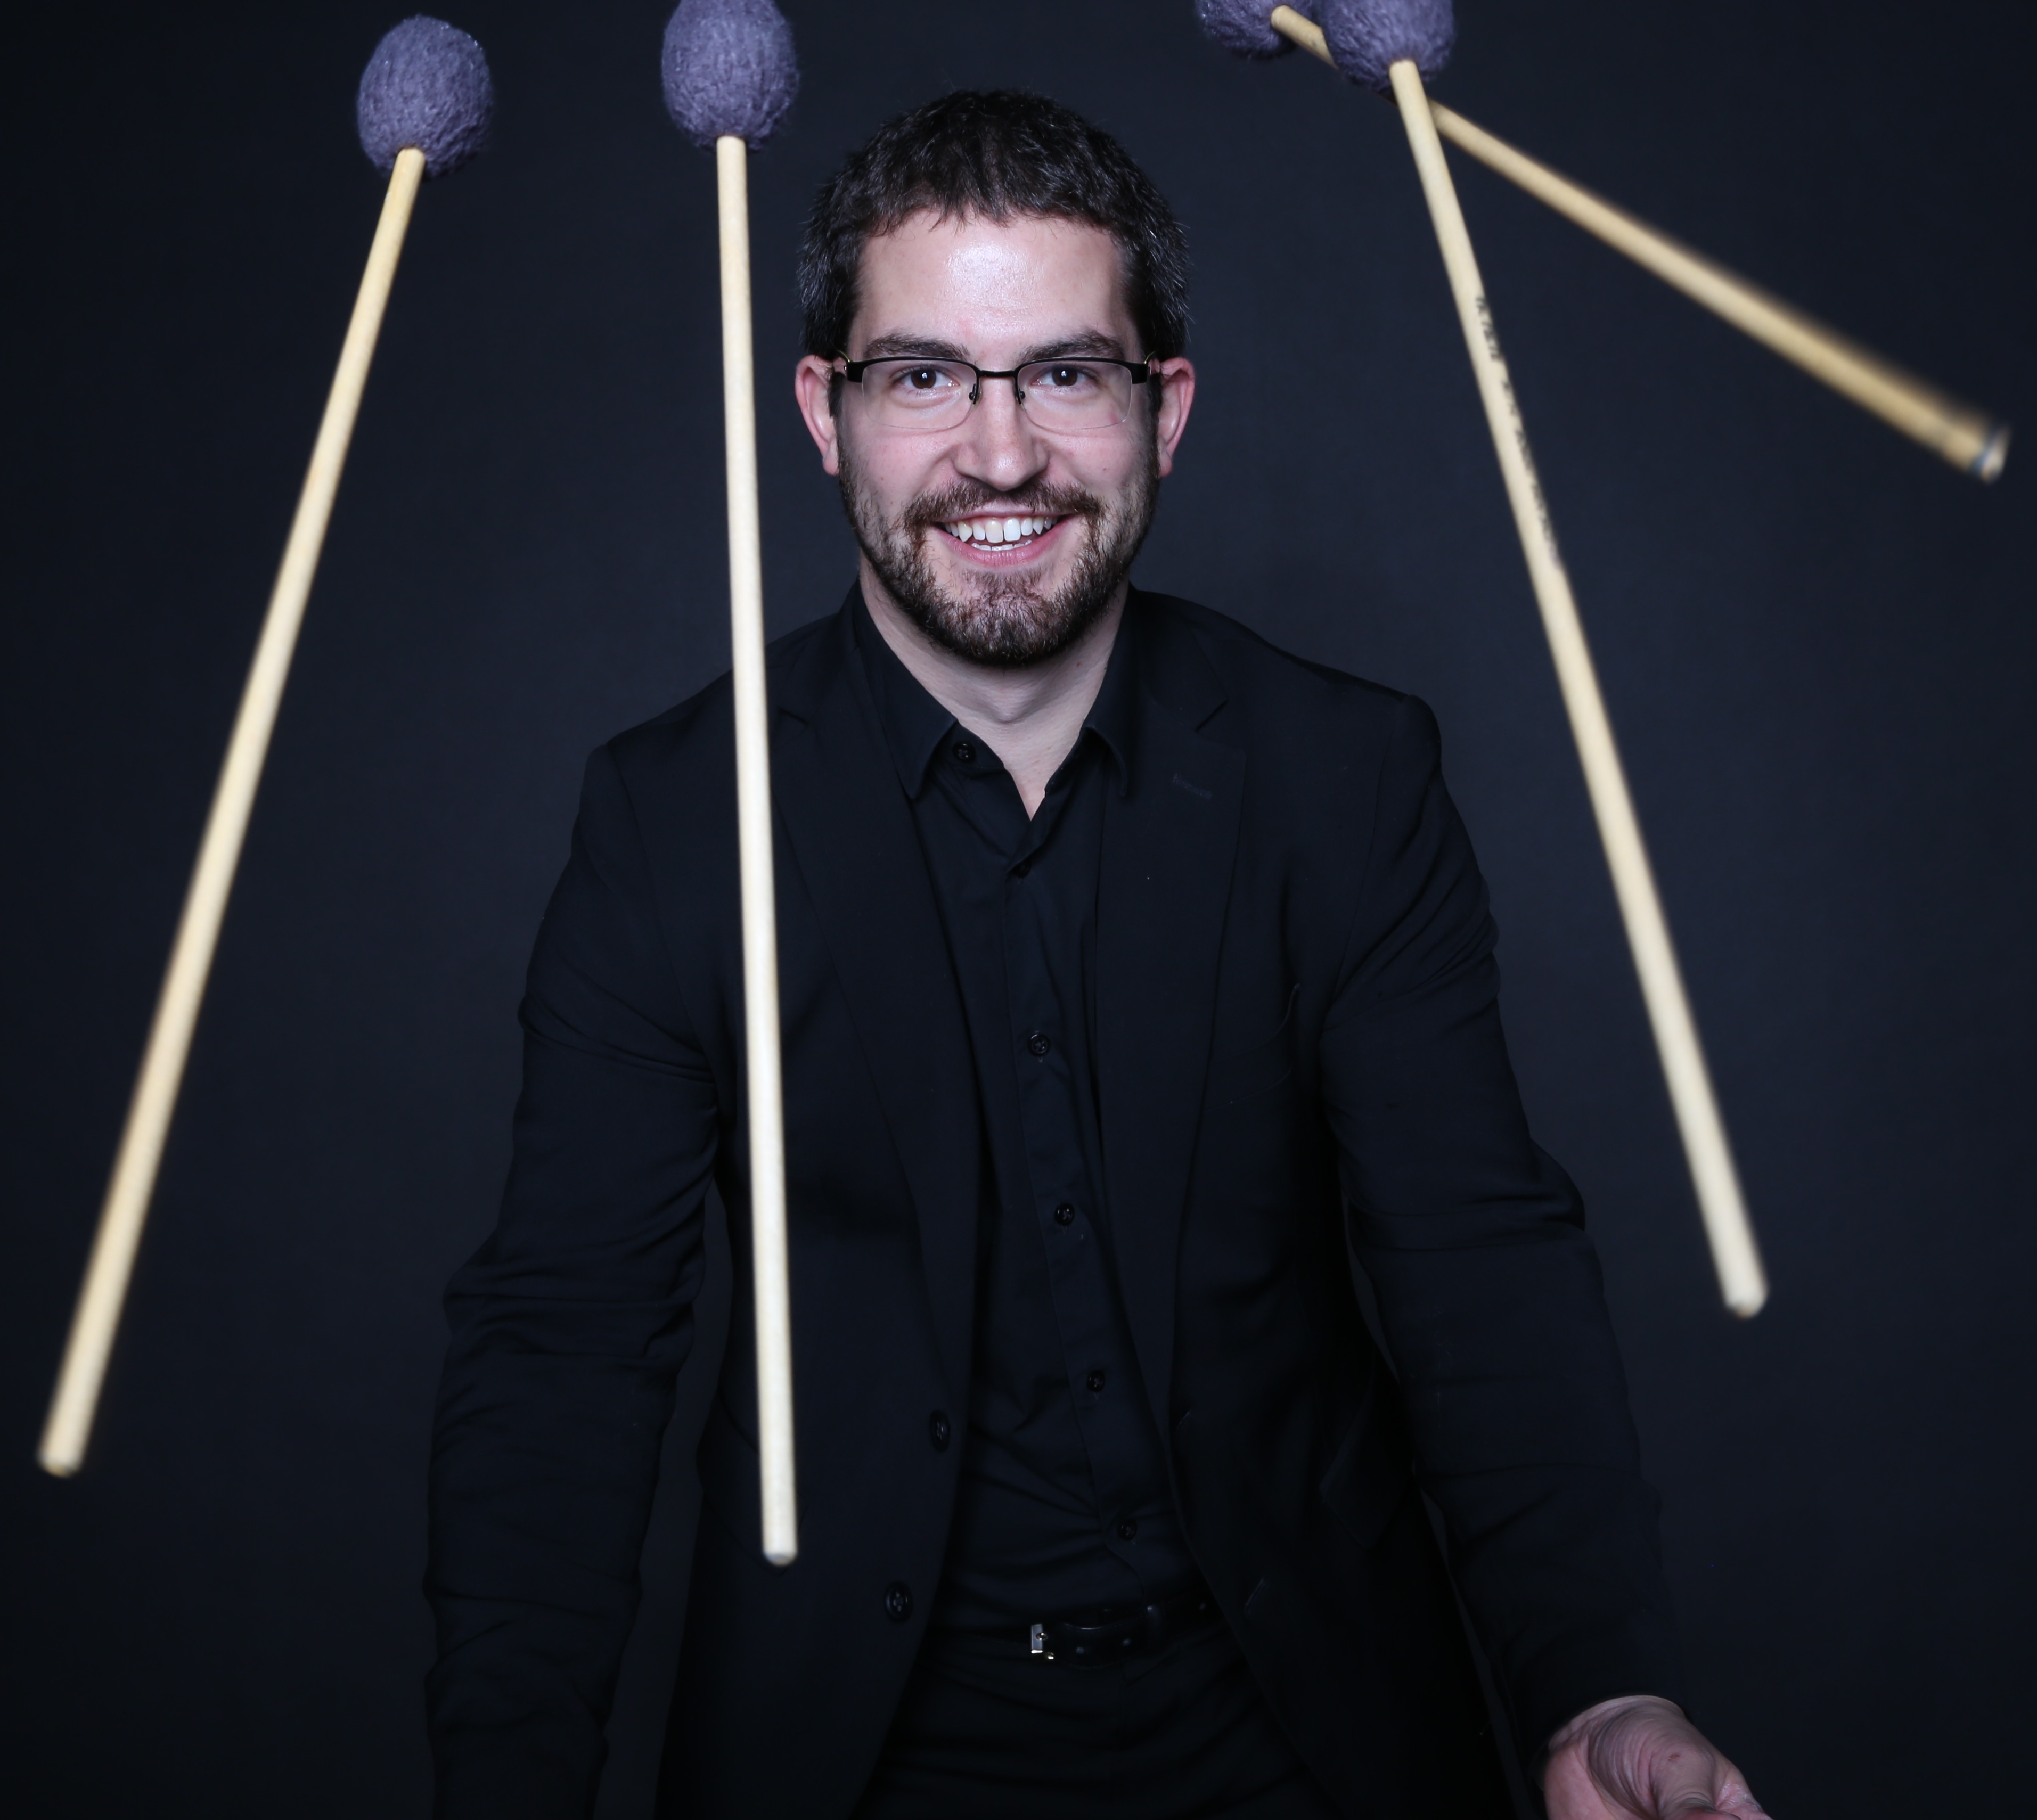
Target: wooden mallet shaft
69, 1427
760, 934
1742, 1281
1969, 438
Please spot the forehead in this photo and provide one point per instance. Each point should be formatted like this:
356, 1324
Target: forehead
982, 283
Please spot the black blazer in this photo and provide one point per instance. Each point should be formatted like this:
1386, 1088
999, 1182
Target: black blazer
1298, 1046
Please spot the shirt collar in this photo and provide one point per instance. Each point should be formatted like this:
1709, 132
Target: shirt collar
915, 724
1113, 717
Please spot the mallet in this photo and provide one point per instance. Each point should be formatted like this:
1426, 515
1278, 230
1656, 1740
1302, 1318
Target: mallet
1969, 438
729, 75
423, 110
1394, 44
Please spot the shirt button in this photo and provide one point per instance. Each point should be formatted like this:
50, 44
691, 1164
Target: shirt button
964, 752
938, 1430
1064, 1215
1127, 1529
1039, 1043
1095, 1380
1021, 868
897, 1602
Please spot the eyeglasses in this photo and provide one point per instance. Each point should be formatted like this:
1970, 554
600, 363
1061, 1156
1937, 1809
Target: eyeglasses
1080, 392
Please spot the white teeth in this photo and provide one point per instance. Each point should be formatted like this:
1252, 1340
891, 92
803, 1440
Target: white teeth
1000, 530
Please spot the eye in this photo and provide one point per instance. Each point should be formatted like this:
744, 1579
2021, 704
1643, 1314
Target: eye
919, 382
1064, 378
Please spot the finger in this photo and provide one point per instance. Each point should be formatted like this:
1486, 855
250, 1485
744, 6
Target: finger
1571, 1793
1733, 1803
1658, 1770
1734, 1799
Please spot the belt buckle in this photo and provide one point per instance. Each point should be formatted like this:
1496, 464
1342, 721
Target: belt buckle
1040, 1651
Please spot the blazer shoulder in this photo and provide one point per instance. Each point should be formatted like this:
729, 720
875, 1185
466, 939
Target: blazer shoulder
699, 730
1272, 693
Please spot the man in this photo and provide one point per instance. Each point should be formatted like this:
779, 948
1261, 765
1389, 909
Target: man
1132, 972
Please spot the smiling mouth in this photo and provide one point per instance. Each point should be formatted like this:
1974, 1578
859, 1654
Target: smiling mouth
1013, 531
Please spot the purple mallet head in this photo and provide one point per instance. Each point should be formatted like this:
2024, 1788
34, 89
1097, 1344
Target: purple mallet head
1240, 25
427, 85
729, 69
1368, 37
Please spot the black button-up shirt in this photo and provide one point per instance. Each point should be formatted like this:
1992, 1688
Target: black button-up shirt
1065, 1505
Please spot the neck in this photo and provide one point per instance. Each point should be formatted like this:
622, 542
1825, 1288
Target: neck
1030, 716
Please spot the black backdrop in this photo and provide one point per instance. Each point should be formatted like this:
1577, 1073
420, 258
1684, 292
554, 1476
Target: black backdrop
1816, 641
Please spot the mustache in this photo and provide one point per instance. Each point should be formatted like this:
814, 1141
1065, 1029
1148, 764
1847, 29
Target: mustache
959, 501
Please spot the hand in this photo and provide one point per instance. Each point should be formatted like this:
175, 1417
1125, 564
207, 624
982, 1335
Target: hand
1639, 1758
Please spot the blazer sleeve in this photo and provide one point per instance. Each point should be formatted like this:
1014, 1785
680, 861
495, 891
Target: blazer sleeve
1488, 1290
568, 1326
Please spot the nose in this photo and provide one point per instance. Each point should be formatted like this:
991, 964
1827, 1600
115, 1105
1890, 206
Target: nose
997, 444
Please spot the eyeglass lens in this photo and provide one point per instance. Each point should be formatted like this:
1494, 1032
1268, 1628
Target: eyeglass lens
1064, 394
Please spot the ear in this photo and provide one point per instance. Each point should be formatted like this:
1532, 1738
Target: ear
812, 380
1176, 381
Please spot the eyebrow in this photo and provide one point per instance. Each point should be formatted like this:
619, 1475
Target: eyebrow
1090, 341
893, 346
906, 346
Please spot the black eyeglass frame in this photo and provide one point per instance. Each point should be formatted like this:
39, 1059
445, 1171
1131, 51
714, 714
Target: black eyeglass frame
1141, 371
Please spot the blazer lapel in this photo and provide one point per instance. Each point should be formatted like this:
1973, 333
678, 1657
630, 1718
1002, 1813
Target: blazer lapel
1168, 847
851, 838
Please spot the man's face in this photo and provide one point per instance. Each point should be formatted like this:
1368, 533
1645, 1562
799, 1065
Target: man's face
997, 294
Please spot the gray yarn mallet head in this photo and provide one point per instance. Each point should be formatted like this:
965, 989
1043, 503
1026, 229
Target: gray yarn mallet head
1240, 25
1368, 37
729, 69
427, 85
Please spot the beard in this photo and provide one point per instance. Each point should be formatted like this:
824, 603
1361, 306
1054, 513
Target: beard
1003, 621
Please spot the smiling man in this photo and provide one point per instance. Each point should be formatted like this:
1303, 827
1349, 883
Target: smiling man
1135, 975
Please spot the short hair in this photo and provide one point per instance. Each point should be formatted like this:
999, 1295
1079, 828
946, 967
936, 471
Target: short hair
994, 154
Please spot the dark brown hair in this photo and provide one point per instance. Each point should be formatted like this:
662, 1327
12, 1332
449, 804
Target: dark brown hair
996, 154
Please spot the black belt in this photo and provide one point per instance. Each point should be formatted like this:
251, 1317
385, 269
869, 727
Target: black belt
1096, 1638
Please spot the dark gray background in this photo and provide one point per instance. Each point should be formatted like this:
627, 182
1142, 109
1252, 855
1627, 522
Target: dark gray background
1816, 641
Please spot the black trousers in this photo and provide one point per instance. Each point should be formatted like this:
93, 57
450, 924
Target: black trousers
984, 1732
